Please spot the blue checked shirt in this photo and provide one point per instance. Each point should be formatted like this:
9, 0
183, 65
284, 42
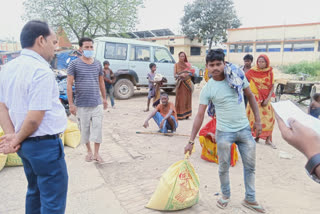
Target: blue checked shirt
27, 83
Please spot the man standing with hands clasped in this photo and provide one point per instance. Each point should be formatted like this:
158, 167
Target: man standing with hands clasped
32, 118
87, 73
232, 124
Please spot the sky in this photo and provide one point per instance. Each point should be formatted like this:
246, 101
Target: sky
158, 14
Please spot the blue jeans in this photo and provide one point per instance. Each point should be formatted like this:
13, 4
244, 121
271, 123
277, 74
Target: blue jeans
46, 172
110, 90
247, 148
166, 126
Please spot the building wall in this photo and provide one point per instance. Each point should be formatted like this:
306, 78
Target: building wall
181, 43
9, 46
294, 43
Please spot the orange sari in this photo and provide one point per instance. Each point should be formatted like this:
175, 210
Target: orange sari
184, 89
261, 83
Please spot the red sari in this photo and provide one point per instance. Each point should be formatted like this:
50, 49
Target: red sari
261, 83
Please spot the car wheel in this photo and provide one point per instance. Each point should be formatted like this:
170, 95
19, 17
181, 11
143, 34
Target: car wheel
168, 90
123, 89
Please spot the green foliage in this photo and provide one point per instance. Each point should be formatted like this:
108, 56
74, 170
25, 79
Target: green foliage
81, 18
309, 68
209, 20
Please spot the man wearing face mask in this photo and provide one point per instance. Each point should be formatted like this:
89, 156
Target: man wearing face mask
87, 74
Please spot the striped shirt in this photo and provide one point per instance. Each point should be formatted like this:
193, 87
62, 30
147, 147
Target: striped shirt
86, 77
28, 84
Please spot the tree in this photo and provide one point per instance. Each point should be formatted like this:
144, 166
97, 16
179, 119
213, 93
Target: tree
79, 18
208, 20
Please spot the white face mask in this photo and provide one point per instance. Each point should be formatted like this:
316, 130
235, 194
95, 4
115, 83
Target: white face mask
88, 53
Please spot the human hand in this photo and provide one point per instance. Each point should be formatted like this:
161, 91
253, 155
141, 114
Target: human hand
300, 137
146, 124
161, 124
257, 128
265, 103
9, 144
73, 109
188, 148
105, 104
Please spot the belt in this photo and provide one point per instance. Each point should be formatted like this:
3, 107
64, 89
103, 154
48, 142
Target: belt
45, 137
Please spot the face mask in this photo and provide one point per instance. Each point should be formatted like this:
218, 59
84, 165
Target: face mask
88, 53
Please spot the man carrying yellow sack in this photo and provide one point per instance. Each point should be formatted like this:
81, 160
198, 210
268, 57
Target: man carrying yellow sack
225, 90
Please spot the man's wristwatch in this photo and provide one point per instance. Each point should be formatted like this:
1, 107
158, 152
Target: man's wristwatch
311, 165
191, 142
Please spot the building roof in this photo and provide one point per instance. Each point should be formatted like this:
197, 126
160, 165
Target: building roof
274, 26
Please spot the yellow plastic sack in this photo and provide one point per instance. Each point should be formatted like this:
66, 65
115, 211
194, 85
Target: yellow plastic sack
1, 132
178, 188
13, 159
62, 138
72, 135
3, 159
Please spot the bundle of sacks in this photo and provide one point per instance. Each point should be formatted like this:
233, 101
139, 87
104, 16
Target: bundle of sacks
71, 138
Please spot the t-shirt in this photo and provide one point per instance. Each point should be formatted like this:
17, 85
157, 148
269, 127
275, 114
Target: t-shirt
151, 77
87, 85
164, 110
231, 115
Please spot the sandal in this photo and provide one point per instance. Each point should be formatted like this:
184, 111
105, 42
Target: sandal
222, 203
89, 157
254, 207
99, 159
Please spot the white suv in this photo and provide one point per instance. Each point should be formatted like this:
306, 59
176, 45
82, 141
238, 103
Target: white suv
129, 59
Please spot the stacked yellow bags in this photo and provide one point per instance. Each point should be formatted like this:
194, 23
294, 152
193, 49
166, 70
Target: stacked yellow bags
178, 188
72, 135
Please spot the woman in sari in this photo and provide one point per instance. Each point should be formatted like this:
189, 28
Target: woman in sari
261, 81
183, 72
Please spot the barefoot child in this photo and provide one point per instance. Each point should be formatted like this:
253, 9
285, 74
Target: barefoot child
150, 77
109, 80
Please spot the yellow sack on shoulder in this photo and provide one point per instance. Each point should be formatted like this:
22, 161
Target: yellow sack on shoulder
13, 159
3, 159
72, 135
178, 188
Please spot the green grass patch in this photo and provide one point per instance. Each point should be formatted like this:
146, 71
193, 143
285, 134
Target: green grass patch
312, 69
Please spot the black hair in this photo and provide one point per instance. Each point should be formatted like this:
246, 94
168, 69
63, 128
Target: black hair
248, 57
316, 96
215, 54
151, 65
31, 31
106, 63
84, 39
164, 94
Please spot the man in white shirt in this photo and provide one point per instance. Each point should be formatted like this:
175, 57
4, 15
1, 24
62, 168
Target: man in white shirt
32, 117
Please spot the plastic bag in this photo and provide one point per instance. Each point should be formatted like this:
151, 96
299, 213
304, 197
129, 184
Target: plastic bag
209, 147
72, 135
178, 188
13, 159
3, 160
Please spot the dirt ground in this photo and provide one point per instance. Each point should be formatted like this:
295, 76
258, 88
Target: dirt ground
135, 162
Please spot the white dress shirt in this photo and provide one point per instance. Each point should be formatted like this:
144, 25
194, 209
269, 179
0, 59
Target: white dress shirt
27, 83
